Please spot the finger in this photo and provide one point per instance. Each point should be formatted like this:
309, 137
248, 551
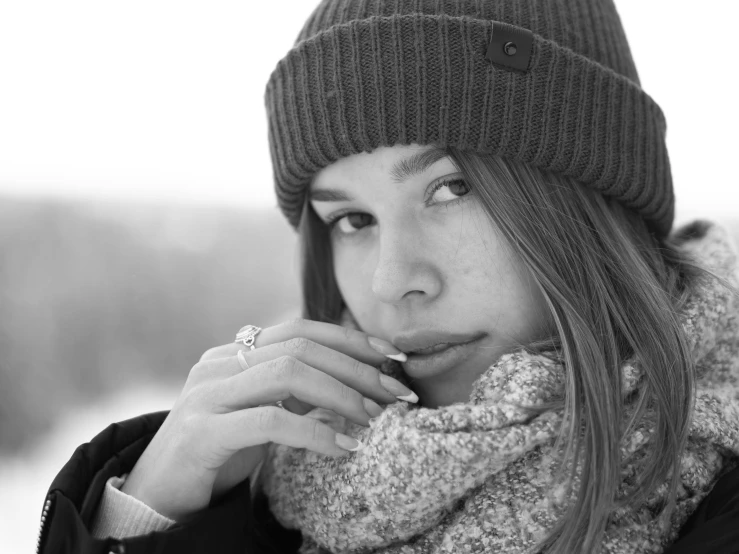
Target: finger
343, 339
360, 376
245, 428
214, 369
352, 372
222, 351
220, 367
226, 369
291, 404
285, 377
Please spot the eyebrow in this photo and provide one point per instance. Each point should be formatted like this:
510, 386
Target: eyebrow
401, 172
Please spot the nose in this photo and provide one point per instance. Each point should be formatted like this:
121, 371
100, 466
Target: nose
405, 267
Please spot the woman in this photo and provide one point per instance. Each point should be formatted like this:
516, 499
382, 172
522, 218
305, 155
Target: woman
505, 347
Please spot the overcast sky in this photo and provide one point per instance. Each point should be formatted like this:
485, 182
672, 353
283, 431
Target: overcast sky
163, 99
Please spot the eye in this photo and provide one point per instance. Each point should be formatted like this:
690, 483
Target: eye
458, 188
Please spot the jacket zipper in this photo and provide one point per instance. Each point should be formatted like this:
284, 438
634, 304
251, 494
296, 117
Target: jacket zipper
47, 506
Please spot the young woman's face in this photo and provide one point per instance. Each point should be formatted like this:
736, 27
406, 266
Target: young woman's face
411, 256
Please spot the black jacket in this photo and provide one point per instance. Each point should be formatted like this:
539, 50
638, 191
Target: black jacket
239, 524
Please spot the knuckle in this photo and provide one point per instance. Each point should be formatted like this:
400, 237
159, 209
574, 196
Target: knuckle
298, 345
346, 394
267, 418
295, 324
200, 368
287, 368
317, 431
210, 353
358, 369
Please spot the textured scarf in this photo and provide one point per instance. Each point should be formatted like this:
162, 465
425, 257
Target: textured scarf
477, 476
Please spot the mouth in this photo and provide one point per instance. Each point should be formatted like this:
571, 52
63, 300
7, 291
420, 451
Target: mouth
440, 357
435, 348
421, 353
426, 342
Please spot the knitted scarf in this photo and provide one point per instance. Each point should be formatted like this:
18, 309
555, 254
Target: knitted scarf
477, 476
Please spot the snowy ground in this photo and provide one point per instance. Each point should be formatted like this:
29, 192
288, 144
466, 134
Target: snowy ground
25, 479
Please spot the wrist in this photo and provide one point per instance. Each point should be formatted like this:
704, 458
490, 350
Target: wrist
162, 489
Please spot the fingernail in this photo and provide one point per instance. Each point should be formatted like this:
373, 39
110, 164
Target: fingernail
373, 409
397, 389
387, 349
348, 443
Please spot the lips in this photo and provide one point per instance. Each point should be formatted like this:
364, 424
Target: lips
447, 357
432, 349
430, 341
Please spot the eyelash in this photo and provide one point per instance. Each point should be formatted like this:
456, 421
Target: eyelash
334, 219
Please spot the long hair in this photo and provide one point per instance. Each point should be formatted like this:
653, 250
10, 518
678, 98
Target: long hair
614, 290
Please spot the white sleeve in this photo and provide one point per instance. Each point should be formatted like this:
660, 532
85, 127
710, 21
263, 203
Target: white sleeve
120, 515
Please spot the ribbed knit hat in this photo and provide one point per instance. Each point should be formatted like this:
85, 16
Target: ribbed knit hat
550, 83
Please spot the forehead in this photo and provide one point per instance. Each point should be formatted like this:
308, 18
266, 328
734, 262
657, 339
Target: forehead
400, 162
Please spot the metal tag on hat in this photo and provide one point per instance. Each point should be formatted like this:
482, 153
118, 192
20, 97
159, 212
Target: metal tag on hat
510, 47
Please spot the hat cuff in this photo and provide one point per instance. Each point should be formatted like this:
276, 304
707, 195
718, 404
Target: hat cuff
425, 79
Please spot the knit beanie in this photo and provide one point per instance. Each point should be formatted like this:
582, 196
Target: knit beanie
550, 83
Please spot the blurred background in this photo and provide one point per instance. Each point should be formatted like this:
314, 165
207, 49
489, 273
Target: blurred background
138, 224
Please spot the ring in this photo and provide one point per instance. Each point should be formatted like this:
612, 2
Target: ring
242, 360
279, 403
247, 334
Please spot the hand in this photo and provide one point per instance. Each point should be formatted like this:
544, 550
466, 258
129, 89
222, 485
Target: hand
218, 430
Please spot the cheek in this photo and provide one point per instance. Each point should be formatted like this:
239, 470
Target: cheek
353, 275
489, 275
523, 305
479, 261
